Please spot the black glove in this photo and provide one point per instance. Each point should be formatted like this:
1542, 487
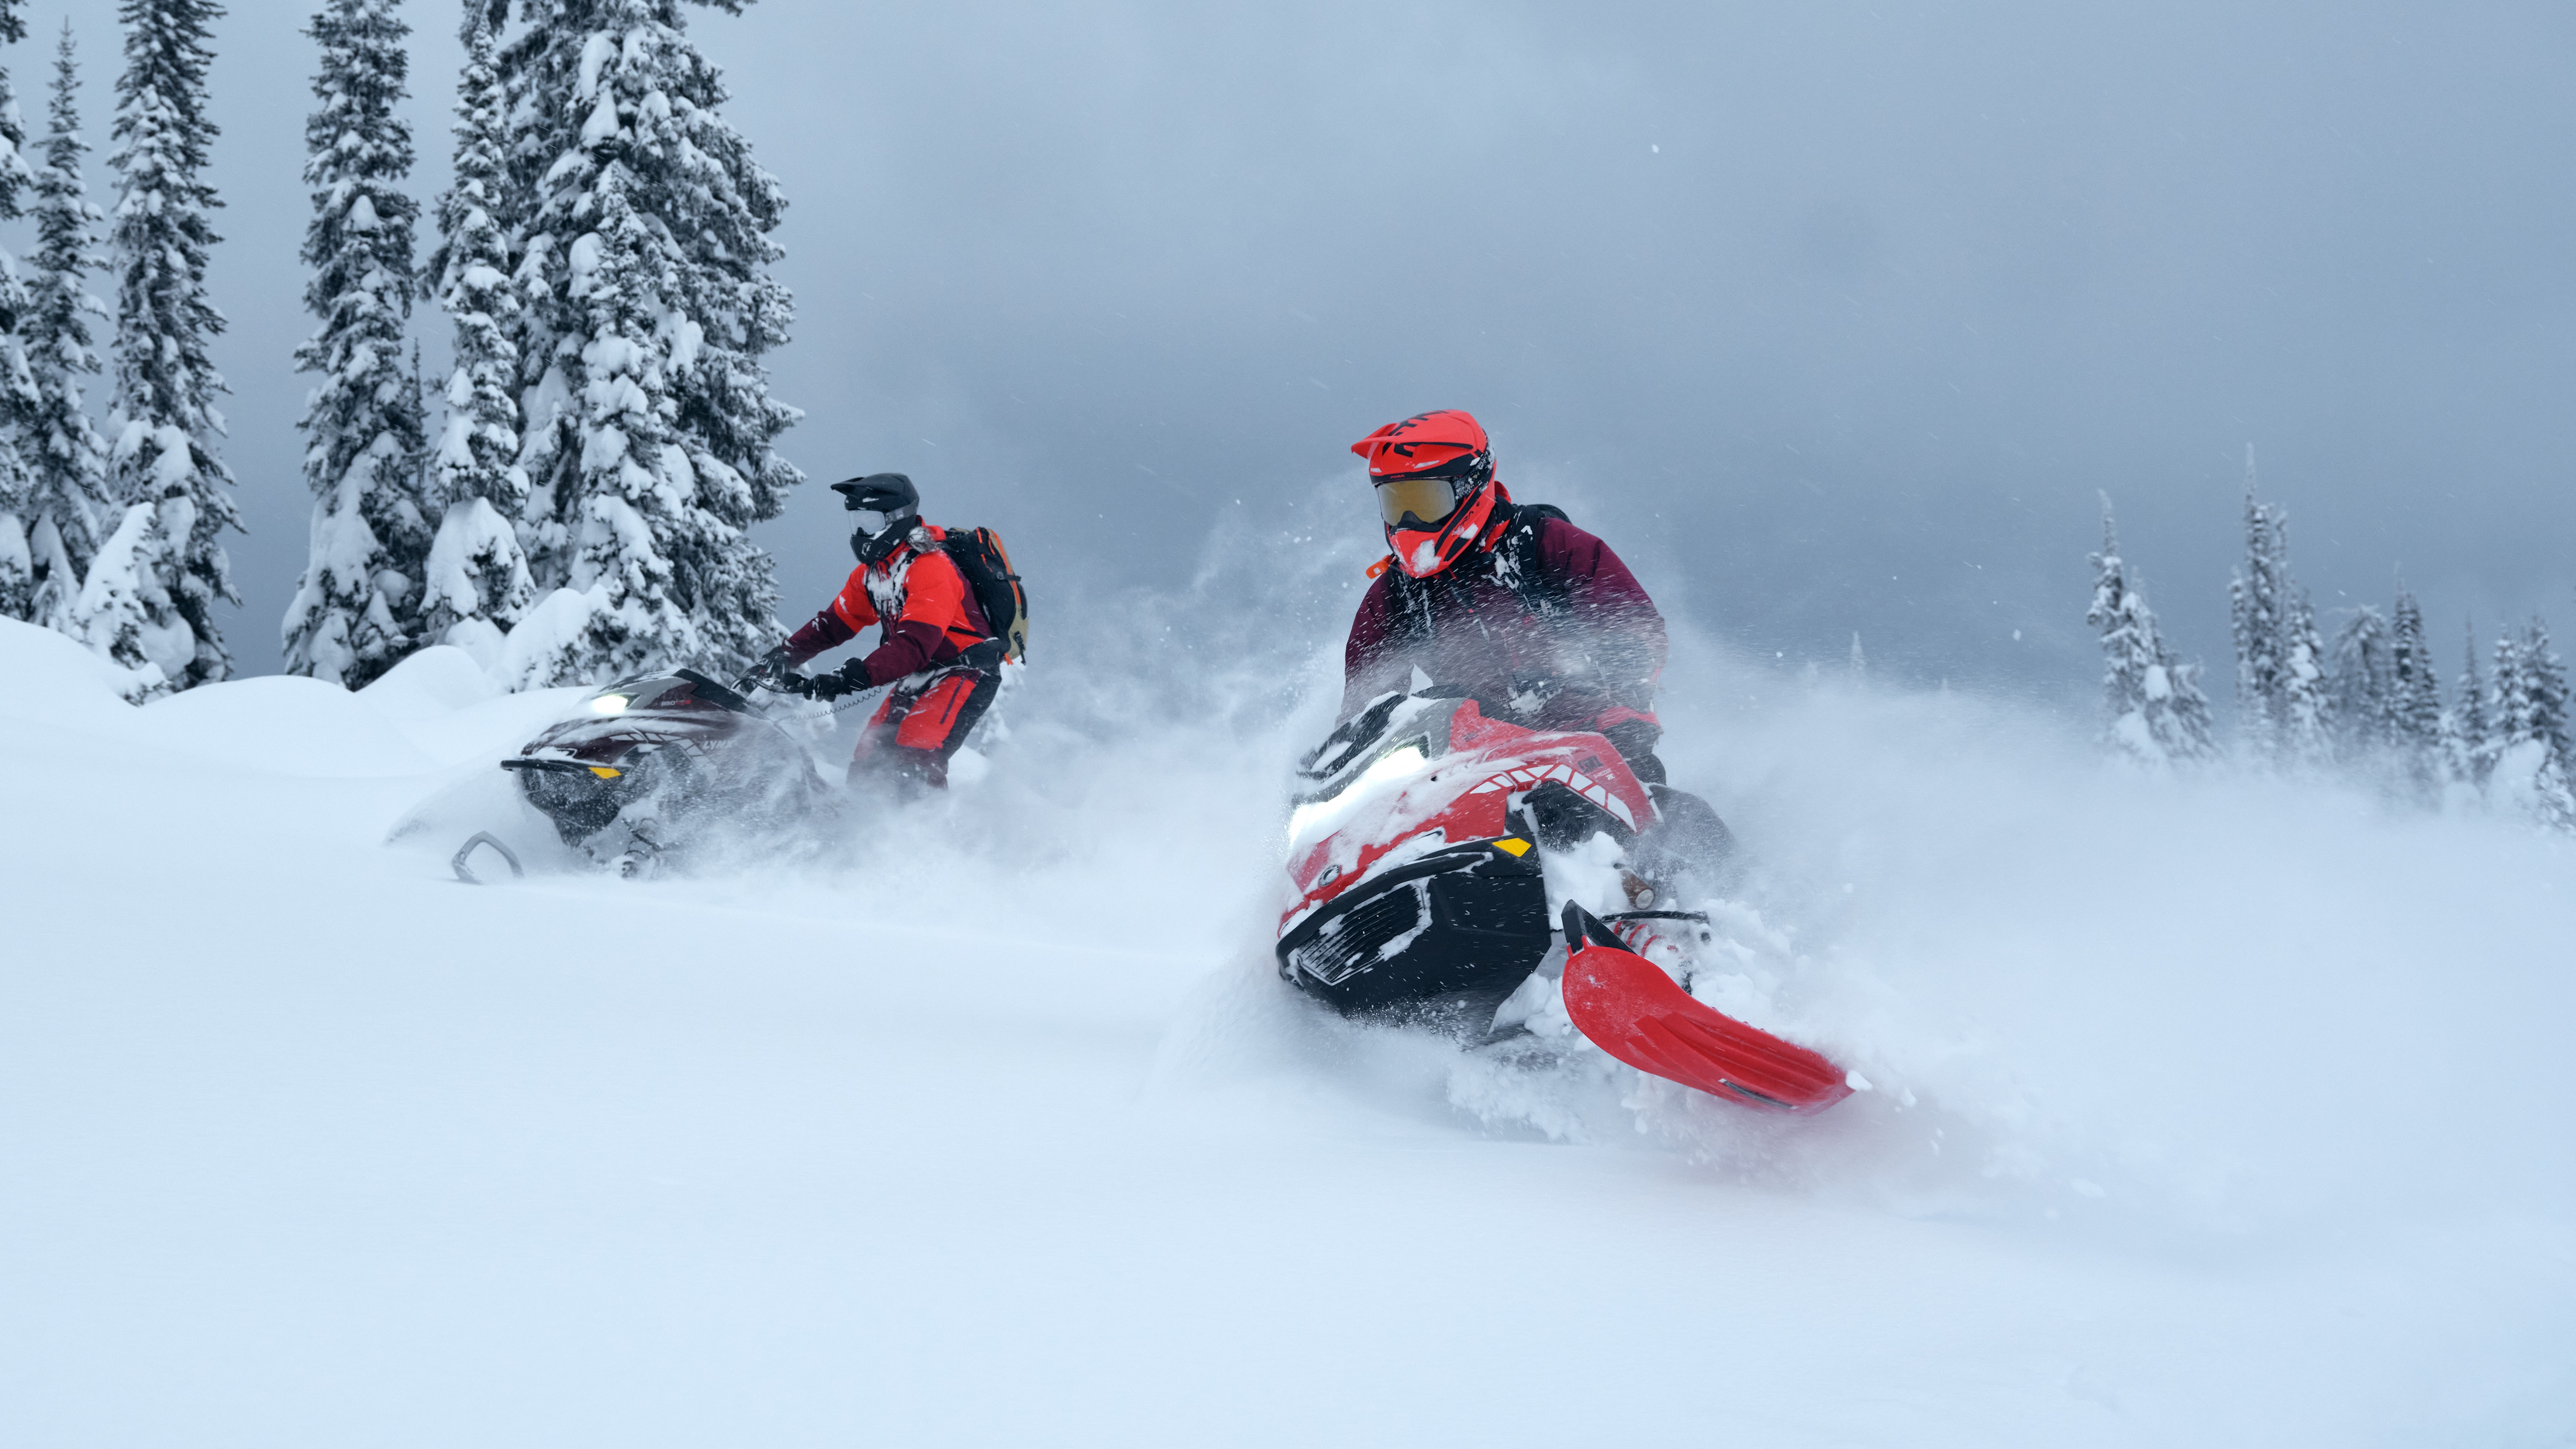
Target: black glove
847, 679
772, 672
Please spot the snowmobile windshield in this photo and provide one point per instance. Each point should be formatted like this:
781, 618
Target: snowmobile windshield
1419, 502
1413, 725
1351, 741
1319, 817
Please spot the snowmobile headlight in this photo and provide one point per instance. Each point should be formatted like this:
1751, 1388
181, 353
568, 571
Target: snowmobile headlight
611, 703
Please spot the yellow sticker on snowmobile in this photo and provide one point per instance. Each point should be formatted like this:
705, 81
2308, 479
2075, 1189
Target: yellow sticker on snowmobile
1512, 845
605, 773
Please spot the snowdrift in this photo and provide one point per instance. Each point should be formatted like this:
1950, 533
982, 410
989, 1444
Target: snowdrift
2215, 1110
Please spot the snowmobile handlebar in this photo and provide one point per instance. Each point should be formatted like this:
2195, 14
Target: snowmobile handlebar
767, 681
714, 693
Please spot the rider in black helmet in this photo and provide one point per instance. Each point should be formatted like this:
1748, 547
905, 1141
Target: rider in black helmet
938, 651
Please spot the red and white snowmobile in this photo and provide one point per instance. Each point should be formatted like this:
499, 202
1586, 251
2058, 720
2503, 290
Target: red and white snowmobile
1416, 849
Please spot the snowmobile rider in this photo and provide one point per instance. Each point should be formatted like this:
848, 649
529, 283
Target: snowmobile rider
937, 651
1510, 602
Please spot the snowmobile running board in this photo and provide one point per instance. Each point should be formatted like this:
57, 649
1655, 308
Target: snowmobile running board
1635, 1012
483, 837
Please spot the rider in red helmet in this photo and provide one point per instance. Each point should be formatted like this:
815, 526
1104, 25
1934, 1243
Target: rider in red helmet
1534, 617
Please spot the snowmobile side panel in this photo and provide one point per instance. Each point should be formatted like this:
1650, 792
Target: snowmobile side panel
1452, 933
1636, 1013
1468, 794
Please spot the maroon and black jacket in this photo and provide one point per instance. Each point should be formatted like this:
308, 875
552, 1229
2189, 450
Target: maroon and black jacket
1540, 622
929, 613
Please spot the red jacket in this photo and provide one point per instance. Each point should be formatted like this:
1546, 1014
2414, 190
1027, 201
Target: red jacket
1591, 662
929, 614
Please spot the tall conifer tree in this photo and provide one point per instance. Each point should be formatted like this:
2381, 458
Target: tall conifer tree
478, 574
647, 425
2527, 747
18, 402
2305, 714
2362, 686
2151, 702
2280, 673
168, 571
2464, 728
68, 459
356, 612
2415, 703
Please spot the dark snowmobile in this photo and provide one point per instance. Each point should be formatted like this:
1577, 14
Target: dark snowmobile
649, 763
1415, 861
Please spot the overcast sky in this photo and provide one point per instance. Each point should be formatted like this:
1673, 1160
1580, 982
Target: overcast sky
1830, 317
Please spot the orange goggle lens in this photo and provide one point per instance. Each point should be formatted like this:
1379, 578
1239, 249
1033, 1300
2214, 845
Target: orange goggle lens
1427, 500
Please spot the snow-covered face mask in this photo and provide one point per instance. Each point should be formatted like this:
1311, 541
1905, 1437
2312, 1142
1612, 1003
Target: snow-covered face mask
878, 532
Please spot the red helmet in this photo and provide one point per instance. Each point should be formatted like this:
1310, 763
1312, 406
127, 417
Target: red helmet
1435, 487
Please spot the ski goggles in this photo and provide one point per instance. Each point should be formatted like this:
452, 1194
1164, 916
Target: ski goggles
1421, 502
873, 521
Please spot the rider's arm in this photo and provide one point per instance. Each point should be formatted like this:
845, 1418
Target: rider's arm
838, 624
1628, 634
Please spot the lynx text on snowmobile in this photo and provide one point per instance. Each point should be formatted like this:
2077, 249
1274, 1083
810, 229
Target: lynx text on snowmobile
647, 762
1415, 863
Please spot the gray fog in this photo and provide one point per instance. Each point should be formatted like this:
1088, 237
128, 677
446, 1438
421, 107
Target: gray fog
1832, 318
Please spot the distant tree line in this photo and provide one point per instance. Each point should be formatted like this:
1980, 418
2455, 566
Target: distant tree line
2370, 704
601, 446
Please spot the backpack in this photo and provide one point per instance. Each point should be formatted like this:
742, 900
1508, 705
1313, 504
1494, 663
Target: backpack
979, 555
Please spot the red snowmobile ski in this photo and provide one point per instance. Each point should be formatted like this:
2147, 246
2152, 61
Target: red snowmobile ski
1414, 857
1638, 1014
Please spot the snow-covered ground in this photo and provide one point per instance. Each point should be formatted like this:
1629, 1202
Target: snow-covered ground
2210, 1112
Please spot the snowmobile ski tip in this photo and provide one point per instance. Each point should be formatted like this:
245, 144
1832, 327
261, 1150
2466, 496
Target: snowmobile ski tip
480, 838
1636, 1013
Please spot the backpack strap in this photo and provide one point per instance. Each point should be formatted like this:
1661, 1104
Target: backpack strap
1514, 558
1517, 564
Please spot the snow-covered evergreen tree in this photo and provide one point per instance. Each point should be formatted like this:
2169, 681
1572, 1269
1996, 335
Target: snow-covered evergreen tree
163, 422
2362, 687
2151, 701
478, 582
355, 613
2527, 753
647, 425
2504, 698
18, 579
2464, 727
69, 510
2415, 701
125, 611
2280, 661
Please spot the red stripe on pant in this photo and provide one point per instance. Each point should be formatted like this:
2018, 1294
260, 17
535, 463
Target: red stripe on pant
925, 725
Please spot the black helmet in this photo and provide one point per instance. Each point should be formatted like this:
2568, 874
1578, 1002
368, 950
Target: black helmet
894, 503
